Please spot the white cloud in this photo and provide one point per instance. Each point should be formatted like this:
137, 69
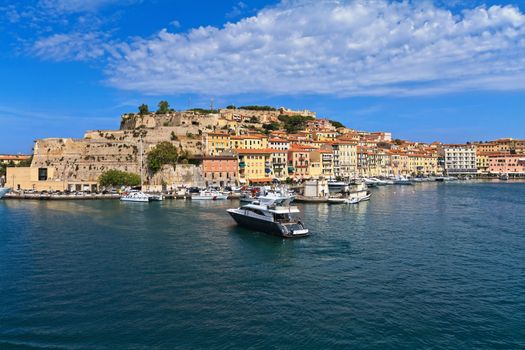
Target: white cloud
237, 10
70, 6
354, 47
72, 46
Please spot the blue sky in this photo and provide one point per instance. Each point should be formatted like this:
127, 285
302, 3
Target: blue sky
425, 70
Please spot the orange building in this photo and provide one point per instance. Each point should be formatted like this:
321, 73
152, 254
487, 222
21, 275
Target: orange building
299, 161
220, 170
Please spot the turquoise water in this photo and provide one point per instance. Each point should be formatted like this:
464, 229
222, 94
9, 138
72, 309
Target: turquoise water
438, 266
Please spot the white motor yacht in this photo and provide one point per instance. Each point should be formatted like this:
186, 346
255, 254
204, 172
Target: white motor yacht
273, 216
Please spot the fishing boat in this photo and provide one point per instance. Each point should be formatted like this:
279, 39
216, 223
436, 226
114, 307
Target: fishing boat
135, 196
209, 194
4, 191
504, 177
274, 216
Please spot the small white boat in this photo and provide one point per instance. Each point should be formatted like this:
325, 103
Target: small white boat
446, 178
209, 195
504, 177
156, 197
356, 200
402, 181
135, 196
4, 191
337, 200
378, 182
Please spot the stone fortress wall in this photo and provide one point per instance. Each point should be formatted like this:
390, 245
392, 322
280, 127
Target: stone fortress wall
84, 160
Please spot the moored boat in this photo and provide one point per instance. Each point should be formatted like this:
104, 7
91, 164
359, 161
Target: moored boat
402, 181
336, 200
209, 194
274, 217
4, 191
356, 200
135, 196
156, 197
354, 194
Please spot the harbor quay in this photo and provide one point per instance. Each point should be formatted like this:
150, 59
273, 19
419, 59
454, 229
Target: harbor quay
248, 146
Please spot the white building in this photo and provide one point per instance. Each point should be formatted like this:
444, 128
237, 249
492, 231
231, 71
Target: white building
459, 159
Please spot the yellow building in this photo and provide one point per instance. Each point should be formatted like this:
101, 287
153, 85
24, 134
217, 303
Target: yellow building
399, 163
249, 141
255, 165
322, 163
487, 147
43, 179
345, 158
216, 143
324, 135
482, 162
279, 160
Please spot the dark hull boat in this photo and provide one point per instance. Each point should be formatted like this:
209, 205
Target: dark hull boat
272, 218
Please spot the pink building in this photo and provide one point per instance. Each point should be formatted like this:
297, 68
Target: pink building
220, 170
502, 163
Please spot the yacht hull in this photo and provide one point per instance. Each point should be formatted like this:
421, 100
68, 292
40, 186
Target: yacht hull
140, 200
209, 198
265, 226
3, 192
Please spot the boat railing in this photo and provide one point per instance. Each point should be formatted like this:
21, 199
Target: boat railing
287, 208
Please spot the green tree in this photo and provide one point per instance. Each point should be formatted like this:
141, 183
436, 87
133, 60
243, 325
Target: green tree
231, 107
294, 123
165, 153
26, 162
336, 124
271, 126
203, 111
164, 107
118, 178
143, 109
173, 136
258, 108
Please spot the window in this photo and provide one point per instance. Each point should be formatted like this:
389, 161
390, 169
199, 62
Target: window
42, 174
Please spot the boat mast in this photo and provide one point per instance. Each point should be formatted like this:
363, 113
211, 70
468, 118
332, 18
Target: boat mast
141, 164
